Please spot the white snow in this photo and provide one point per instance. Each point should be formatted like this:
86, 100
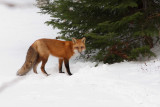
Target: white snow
126, 84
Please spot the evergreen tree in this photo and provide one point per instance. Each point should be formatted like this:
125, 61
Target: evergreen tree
116, 30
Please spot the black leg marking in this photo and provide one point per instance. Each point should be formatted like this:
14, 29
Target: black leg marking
60, 65
66, 62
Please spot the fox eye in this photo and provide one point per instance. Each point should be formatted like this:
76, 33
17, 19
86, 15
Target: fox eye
76, 47
82, 46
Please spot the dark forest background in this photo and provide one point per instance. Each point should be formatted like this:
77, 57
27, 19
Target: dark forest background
116, 30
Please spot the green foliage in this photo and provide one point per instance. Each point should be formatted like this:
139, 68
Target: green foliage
116, 30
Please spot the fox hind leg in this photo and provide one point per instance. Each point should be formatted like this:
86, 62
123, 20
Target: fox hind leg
44, 61
36, 64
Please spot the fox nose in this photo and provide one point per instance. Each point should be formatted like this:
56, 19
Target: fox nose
81, 53
79, 50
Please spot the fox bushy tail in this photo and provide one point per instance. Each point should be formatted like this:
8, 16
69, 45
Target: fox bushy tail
31, 58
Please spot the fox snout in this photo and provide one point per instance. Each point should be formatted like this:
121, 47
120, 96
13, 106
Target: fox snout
79, 51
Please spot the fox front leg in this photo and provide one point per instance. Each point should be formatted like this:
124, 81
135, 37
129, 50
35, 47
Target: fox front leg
66, 62
60, 65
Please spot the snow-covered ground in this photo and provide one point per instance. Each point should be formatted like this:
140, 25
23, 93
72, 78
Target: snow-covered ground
133, 84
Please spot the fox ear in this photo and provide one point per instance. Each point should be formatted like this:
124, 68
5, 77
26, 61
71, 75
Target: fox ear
74, 40
83, 39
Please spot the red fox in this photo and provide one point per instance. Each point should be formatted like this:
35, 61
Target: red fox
42, 48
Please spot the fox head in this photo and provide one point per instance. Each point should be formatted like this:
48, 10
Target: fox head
79, 45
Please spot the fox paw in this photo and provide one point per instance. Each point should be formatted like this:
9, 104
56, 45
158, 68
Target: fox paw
69, 74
